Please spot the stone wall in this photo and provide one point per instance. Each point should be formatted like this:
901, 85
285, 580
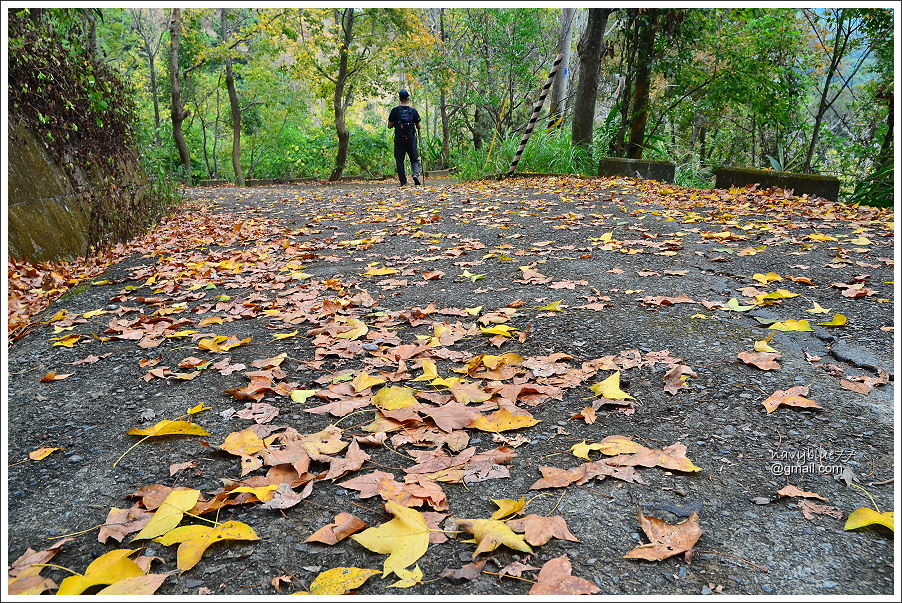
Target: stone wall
646, 169
58, 213
813, 185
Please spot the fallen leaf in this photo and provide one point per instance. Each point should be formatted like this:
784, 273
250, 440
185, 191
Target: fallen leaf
468, 572
766, 361
489, 534
791, 325
195, 539
538, 529
109, 568
503, 420
137, 585
343, 526
122, 522
408, 578
52, 376
864, 516
610, 388
24, 577
556, 578
340, 580
394, 397
405, 538
790, 490
508, 507
666, 540
170, 513
166, 427
42, 453
810, 509
794, 396
838, 320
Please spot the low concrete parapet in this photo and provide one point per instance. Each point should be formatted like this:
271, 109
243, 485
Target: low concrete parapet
646, 169
814, 185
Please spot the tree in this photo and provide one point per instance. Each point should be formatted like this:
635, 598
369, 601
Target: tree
590, 50
233, 102
146, 24
559, 88
178, 114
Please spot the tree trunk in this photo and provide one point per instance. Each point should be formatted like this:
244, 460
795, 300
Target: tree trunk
446, 132
342, 97
645, 51
477, 135
559, 88
156, 101
177, 112
589, 49
233, 105
823, 105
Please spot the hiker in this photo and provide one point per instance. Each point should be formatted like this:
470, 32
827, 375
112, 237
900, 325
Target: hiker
406, 122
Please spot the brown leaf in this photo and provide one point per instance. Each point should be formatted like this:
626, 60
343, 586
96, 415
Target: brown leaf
52, 376
556, 578
794, 396
859, 388
259, 412
176, 467
516, 569
538, 529
468, 572
279, 580
674, 379
343, 526
790, 490
25, 578
352, 461
666, 540
122, 522
766, 361
809, 509
285, 497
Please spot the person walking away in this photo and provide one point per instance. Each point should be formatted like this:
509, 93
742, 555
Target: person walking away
406, 122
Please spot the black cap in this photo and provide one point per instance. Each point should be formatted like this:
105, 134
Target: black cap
403, 94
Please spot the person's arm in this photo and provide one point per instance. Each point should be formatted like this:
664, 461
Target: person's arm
391, 114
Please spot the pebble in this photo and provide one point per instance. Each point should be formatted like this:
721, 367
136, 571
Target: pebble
761, 500
829, 584
76, 458
193, 583
706, 590
767, 589
301, 548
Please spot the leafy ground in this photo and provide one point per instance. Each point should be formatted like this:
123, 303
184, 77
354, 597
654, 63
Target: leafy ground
581, 351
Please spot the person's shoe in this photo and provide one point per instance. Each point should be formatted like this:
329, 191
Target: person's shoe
416, 181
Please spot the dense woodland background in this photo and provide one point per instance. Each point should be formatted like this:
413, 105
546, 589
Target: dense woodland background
284, 93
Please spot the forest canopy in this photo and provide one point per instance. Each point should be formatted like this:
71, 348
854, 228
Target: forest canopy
241, 93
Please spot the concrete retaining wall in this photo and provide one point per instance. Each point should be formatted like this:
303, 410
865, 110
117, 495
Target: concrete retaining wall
813, 185
662, 171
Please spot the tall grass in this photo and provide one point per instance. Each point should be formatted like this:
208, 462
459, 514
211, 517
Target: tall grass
546, 152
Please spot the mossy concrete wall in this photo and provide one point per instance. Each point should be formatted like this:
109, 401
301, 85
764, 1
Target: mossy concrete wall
49, 214
662, 171
811, 184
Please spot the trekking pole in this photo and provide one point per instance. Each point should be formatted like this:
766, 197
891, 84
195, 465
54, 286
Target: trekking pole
535, 113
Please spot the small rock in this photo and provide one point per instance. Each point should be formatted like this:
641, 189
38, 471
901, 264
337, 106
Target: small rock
761, 500
76, 458
829, 584
193, 583
301, 548
706, 590
767, 589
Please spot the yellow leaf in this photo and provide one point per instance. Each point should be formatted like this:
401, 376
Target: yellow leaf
68, 341
104, 282
359, 330
763, 345
837, 321
473, 277
58, 316
170, 513
299, 276
264, 493
340, 580
137, 585
582, 450
473, 311
767, 278
185, 333
109, 568
379, 271
817, 309
408, 578
243, 443
733, 305
491, 533
430, 371
210, 320
94, 313
553, 306
610, 388
819, 237
866, 517
502, 420
393, 397
280, 336
365, 381
861, 241
405, 538
508, 507
616, 444
194, 540
198, 408
504, 330
791, 325
301, 395
167, 427
41, 453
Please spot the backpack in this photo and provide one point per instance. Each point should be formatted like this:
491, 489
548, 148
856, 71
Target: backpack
404, 127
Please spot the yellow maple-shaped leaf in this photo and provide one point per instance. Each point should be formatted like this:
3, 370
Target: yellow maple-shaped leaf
408, 578
733, 305
372, 271
198, 408
763, 345
136, 585
775, 295
280, 336
838, 320
502, 420
866, 517
167, 427
508, 507
618, 444
210, 320
109, 568
819, 237
861, 241
301, 395
503, 330
610, 388
473, 311
817, 309
792, 325
767, 278
582, 449
430, 371
243, 443
365, 381
41, 453
170, 513
94, 313
264, 493
358, 330
340, 580
553, 306
194, 540
491, 533
68, 341
405, 538
393, 397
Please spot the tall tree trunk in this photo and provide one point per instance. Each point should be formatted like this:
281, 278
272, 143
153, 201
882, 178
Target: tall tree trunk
885, 156
836, 56
589, 49
477, 135
639, 118
156, 101
343, 92
443, 106
559, 88
177, 111
233, 105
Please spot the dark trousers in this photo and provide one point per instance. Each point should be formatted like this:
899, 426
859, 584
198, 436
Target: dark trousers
406, 145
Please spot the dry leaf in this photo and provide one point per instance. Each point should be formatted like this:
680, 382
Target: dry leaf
405, 538
344, 525
794, 396
538, 529
195, 539
340, 580
556, 578
666, 540
790, 490
489, 534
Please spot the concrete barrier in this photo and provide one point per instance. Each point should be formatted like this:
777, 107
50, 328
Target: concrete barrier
814, 185
646, 169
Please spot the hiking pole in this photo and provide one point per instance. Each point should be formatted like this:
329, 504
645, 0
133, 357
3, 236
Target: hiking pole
535, 114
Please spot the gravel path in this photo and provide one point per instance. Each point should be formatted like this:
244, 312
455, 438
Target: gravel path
642, 272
